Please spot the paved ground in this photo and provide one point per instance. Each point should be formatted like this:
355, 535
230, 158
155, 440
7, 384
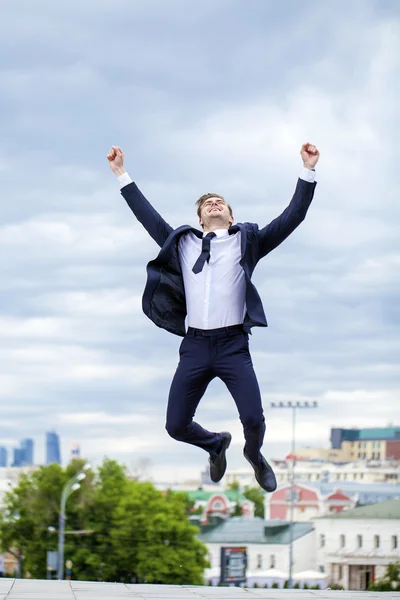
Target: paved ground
23, 589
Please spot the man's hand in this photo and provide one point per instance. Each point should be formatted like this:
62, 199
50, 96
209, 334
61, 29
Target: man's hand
310, 155
116, 160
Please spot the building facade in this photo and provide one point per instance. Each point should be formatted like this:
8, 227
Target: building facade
376, 443
3, 457
356, 546
220, 504
53, 452
266, 542
313, 471
309, 502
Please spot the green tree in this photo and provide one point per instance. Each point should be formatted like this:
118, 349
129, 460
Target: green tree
390, 582
234, 486
29, 509
256, 496
137, 532
237, 511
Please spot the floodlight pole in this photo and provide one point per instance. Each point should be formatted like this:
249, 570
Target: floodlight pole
293, 406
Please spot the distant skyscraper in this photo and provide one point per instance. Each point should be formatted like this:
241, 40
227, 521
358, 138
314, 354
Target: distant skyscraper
53, 454
27, 448
23, 456
75, 451
19, 457
3, 456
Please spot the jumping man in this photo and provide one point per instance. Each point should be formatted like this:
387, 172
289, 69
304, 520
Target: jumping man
205, 276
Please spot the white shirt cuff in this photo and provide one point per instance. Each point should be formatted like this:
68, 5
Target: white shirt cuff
307, 175
124, 180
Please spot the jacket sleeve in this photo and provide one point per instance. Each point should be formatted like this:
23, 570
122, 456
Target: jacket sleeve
151, 220
273, 234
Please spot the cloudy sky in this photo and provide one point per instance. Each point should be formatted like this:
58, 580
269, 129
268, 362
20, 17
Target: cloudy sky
202, 96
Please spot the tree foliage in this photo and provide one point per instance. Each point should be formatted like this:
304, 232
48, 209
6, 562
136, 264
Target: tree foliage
138, 533
255, 495
390, 582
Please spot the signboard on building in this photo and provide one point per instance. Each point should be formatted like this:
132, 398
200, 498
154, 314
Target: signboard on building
233, 564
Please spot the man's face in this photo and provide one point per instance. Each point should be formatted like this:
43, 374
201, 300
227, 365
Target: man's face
215, 210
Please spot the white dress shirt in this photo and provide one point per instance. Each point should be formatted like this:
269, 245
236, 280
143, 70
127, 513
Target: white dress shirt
215, 297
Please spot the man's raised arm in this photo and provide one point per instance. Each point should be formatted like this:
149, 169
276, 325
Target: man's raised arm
151, 220
280, 228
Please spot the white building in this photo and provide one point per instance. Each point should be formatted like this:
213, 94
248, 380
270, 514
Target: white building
320, 471
267, 544
355, 546
9, 477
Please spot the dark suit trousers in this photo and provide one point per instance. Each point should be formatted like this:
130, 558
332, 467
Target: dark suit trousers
204, 355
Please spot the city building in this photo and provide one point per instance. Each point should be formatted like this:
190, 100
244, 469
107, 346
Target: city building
369, 444
318, 499
75, 451
220, 504
8, 565
18, 457
349, 445
311, 471
9, 477
53, 453
266, 542
3, 457
355, 546
27, 448
309, 502
23, 456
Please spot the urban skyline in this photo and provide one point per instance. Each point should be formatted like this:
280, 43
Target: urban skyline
23, 455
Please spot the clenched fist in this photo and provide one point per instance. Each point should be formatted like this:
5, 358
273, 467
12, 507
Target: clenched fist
310, 155
116, 160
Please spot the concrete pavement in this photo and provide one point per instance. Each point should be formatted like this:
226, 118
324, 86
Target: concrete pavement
28, 589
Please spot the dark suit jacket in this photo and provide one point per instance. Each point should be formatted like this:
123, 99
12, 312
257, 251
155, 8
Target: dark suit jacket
164, 295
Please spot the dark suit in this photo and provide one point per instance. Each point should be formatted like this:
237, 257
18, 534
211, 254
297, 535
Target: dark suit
164, 303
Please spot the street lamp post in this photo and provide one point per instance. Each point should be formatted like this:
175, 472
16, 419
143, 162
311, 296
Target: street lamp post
293, 406
71, 486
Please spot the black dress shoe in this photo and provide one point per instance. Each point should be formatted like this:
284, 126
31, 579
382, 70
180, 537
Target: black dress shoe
218, 463
264, 474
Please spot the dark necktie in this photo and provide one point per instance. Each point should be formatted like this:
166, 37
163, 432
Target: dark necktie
205, 253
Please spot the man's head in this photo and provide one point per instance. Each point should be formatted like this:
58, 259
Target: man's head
214, 212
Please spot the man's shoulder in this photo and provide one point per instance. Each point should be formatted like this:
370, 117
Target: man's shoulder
250, 229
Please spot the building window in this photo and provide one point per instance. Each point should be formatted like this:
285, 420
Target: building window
340, 571
361, 475
394, 542
373, 455
259, 561
378, 445
376, 541
359, 455
321, 569
359, 541
321, 540
359, 444
378, 455
342, 541
272, 561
